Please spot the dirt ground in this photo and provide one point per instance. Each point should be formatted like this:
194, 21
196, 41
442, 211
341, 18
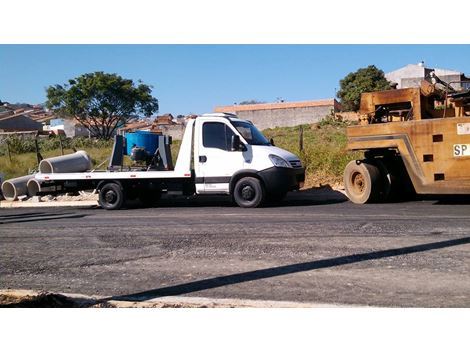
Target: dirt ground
18, 299
44, 299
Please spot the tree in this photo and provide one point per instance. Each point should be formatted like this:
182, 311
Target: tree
369, 79
252, 101
101, 101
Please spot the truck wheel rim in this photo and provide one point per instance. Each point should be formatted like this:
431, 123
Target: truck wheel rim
110, 197
358, 182
248, 193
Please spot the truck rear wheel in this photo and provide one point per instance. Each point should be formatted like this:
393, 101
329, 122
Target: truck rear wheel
362, 182
248, 192
111, 196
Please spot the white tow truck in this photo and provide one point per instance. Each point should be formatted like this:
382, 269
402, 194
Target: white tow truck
219, 154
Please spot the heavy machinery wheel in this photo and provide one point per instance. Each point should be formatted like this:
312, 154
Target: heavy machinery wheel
111, 196
248, 192
401, 185
386, 182
362, 181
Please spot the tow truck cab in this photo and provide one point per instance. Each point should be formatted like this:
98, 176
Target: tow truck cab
231, 156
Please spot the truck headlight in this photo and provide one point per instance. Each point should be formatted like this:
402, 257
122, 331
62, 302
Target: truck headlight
278, 161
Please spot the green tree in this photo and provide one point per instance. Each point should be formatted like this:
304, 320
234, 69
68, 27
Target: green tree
101, 101
368, 79
251, 101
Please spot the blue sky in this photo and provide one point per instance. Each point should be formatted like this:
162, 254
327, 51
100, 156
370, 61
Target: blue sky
195, 78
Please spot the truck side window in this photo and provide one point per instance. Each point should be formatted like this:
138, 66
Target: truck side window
216, 135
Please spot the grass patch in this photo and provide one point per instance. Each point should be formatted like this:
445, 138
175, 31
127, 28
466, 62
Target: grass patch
324, 154
26, 163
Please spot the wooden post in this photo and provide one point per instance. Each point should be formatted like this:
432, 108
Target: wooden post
301, 138
38, 154
8, 150
61, 145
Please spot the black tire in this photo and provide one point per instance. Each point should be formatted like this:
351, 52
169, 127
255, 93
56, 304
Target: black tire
401, 185
362, 182
111, 196
149, 198
386, 182
248, 192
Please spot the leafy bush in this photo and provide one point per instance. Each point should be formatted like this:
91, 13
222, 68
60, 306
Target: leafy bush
332, 120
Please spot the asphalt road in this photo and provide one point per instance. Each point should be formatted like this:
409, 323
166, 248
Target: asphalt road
314, 247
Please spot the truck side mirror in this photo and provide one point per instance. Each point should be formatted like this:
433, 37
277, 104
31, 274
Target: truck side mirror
272, 142
235, 146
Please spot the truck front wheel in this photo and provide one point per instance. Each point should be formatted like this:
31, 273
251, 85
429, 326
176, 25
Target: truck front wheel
111, 196
248, 192
361, 182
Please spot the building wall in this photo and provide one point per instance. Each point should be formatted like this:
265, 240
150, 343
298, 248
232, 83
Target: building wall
411, 76
407, 72
264, 119
283, 114
72, 129
415, 82
175, 131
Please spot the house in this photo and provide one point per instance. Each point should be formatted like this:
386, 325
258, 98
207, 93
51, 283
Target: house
70, 127
282, 114
136, 125
24, 117
411, 75
18, 120
168, 125
166, 119
163, 124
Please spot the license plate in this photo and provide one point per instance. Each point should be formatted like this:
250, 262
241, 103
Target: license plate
461, 150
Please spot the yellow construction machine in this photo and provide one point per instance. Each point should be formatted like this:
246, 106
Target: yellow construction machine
415, 141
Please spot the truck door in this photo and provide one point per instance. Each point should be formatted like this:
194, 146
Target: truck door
217, 163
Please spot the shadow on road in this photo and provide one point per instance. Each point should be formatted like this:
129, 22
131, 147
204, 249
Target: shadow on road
284, 270
312, 196
450, 199
11, 216
29, 217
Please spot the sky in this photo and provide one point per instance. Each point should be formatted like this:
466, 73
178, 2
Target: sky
196, 78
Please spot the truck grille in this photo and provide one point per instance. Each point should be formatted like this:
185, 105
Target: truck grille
295, 163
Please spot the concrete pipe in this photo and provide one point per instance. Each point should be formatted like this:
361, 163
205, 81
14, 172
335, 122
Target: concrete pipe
76, 162
34, 186
16, 187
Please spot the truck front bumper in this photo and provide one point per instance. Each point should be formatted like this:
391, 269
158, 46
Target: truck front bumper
282, 179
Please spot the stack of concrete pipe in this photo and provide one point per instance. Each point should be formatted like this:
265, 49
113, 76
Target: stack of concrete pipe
34, 187
16, 187
28, 185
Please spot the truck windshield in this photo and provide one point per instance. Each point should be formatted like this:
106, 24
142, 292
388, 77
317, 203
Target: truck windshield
251, 134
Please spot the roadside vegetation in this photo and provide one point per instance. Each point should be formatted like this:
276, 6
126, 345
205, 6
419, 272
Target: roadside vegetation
324, 151
22, 159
